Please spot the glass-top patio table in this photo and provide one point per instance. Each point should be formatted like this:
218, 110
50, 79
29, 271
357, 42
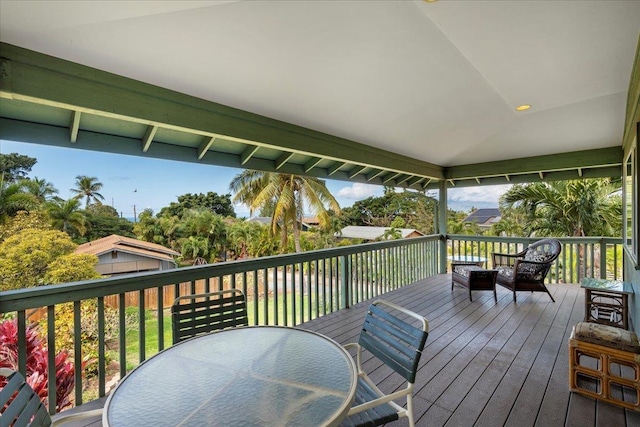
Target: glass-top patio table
258, 376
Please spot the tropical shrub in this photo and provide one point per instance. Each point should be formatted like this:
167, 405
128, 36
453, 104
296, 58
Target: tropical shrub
37, 363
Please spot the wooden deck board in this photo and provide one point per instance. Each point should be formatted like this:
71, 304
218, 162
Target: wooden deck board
487, 363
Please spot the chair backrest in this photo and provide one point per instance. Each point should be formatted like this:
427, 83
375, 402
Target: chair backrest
20, 406
545, 250
395, 342
193, 315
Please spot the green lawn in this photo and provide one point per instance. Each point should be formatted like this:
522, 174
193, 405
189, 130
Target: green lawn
151, 326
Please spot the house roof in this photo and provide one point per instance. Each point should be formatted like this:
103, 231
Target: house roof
484, 216
372, 233
329, 89
128, 245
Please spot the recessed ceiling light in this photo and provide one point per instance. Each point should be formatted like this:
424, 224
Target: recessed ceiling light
523, 107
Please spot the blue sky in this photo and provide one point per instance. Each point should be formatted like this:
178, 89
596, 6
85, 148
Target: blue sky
151, 183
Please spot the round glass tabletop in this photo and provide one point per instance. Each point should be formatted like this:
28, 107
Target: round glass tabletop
253, 376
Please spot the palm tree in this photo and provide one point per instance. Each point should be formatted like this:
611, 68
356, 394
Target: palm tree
66, 216
290, 193
88, 187
13, 199
588, 207
578, 208
240, 234
42, 189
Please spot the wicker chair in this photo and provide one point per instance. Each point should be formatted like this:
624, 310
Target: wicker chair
526, 270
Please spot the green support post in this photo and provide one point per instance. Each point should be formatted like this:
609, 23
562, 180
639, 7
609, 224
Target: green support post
442, 224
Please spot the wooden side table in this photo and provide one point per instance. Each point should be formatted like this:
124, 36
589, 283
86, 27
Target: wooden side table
607, 302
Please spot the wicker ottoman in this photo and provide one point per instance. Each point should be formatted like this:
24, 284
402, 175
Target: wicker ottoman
604, 363
474, 278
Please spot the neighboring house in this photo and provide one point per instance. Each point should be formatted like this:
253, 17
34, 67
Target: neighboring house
123, 255
484, 218
374, 233
266, 220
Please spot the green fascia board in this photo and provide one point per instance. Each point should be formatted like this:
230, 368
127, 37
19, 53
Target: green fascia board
36, 77
597, 158
600, 172
633, 104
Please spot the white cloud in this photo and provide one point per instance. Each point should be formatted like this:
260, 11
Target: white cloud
358, 191
489, 194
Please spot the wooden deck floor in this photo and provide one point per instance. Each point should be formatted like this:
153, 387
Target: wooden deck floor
487, 363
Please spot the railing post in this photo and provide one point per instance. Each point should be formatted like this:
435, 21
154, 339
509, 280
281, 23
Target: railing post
345, 281
603, 259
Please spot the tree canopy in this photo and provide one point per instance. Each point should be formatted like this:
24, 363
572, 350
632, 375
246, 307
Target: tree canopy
14, 167
35, 257
213, 202
416, 209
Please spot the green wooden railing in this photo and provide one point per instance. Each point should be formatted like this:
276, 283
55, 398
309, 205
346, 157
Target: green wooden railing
131, 321
285, 290
581, 257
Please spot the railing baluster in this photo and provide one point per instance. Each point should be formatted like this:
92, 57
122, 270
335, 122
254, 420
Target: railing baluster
102, 365
51, 357
160, 316
77, 352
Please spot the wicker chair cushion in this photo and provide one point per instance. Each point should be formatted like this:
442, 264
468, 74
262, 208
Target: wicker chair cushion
542, 251
608, 336
463, 270
505, 271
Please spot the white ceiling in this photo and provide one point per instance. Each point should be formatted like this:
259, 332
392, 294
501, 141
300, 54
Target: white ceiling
435, 81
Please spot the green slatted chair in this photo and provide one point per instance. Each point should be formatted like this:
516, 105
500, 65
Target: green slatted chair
198, 314
20, 406
399, 345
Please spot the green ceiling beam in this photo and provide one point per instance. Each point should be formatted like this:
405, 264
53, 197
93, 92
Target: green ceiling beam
554, 162
207, 142
74, 126
312, 163
35, 77
147, 139
284, 158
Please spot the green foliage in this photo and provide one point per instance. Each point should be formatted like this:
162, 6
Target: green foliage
415, 209
41, 189
66, 216
102, 224
14, 199
14, 167
64, 326
212, 202
98, 209
288, 194
28, 258
22, 220
588, 207
70, 267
